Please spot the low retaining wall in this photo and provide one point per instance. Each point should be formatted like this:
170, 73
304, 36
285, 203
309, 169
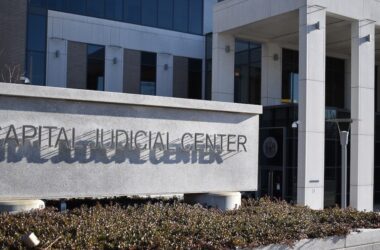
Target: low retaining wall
363, 240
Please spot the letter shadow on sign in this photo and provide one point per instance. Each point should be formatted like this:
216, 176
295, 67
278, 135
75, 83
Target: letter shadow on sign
85, 152
13, 153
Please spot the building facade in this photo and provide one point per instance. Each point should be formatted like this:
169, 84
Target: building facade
305, 61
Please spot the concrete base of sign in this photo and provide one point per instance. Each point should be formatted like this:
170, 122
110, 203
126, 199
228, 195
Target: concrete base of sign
224, 201
15, 206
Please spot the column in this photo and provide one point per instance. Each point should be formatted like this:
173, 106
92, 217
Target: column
223, 67
164, 74
113, 81
311, 130
363, 114
271, 74
56, 64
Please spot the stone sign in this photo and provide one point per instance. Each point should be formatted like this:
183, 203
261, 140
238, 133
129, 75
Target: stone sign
65, 143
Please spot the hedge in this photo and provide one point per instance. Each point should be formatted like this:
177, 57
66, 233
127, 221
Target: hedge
175, 225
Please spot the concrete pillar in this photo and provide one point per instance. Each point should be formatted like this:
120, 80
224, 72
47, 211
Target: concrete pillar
164, 74
271, 74
56, 64
362, 112
113, 81
223, 67
223, 201
311, 130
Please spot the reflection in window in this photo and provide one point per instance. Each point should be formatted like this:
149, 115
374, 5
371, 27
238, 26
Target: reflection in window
36, 32
95, 8
76, 6
114, 9
95, 67
181, 15
247, 72
132, 11
149, 12
165, 14
35, 67
148, 73
195, 16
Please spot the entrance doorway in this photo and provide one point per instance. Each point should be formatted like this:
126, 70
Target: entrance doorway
272, 162
272, 183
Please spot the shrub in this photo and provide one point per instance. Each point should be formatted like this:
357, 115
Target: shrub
175, 225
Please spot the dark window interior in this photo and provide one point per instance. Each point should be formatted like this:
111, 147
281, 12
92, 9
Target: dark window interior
148, 73
335, 78
195, 79
247, 72
95, 67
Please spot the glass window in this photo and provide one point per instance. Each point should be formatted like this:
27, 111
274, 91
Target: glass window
114, 9
196, 16
95, 67
195, 79
56, 5
181, 15
37, 3
35, 67
37, 32
76, 6
132, 11
148, 73
149, 12
165, 14
95, 8
247, 72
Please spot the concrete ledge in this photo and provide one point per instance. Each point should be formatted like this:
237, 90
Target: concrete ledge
363, 239
23, 90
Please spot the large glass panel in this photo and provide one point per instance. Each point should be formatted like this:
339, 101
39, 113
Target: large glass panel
196, 16
165, 14
95, 67
148, 73
114, 9
36, 32
294, 78
76, 6
56, 5
149, 12
35, 67
247, 72
95, 8
37, 3
132, 11
181, 15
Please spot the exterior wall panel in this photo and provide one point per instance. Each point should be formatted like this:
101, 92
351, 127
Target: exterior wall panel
180, 77
132, 71
13, 20
76, 65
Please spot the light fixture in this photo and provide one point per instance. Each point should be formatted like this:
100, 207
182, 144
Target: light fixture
57, 53
317, 26
114, 60
25, 79
227, 49
367, 38
276, 57
166, 66
295, 124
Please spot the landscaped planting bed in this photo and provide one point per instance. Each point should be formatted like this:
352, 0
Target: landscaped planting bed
172, 224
